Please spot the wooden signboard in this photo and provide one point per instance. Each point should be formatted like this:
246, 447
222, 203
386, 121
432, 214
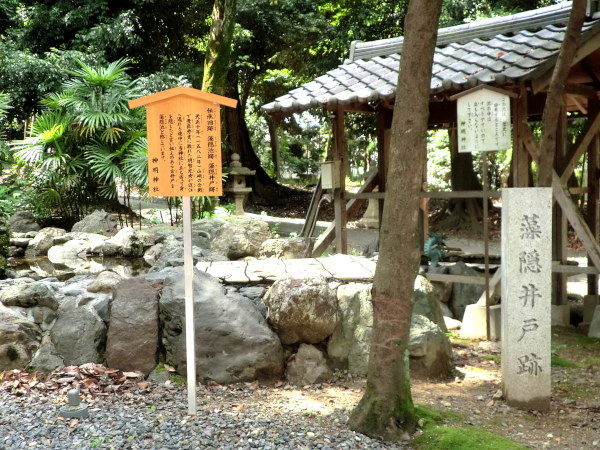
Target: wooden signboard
184, 160
483, 117
184, 142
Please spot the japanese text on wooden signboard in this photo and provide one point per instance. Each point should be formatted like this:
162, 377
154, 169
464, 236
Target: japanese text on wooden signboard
184, 148
483, 118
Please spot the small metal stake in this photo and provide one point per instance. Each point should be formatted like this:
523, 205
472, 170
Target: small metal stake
75, 408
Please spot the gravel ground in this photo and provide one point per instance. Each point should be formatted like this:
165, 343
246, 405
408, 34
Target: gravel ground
242, 416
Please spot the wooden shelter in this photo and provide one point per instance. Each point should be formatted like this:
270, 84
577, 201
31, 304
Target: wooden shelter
515, 53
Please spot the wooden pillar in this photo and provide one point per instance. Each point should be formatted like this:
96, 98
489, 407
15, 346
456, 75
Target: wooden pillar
559, 225
521, 158
384, 124
339, 204
592, 194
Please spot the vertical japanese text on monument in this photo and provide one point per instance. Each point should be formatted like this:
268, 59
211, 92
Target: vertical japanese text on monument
529, 364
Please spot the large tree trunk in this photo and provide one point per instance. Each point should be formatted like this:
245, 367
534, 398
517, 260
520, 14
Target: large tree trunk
218, 49
463, 211
386, 409
275, 150
555, 100
265, 190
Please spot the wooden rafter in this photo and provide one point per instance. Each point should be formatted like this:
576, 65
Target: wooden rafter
581, 145
563, 198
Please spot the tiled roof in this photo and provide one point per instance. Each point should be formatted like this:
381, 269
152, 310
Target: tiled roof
498, 51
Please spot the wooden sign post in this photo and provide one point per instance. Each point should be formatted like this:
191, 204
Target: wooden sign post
483, 118
184, 159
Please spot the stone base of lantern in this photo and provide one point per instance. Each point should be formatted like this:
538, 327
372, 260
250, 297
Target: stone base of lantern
238, 195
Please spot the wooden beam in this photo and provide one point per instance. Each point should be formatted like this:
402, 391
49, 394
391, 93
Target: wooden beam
459, 194
364, 195
455, 278
578, 103
339, 204
581, 90
592, 194
581, 145
562, 196
328, 235
571, 269
494, 283
520, 162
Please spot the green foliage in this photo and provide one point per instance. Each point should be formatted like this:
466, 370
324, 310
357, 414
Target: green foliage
471, 438
85, 142
440, 433
557, 361
10, 198
438, 161
5, 106
428, 416
99, 441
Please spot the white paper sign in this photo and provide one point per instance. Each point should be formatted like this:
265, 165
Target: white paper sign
483, 118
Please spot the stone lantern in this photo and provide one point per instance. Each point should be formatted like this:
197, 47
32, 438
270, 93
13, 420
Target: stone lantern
235, 187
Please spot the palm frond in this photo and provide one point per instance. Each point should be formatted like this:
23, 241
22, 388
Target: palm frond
94, 121
111, 134
28, 151
135, 164
103, 162
101, 76
108, 191
54, 101
54, 162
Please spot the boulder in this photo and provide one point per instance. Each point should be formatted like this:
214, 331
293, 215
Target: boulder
464, 294
153, 253
349, 345
132, 339
104, 281
19, 340
429, 350
5, 244
99, 302
240, 236
171, 253
205, 230
20, 242
255, 294
79, 336
99, 222
94, 240
42, 241
293, 248
302, 309
71, 254
308, 367
30, 295
125, 243
46, 359
233, 341
427, 302
22, 222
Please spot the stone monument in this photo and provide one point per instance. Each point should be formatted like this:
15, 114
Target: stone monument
526, 296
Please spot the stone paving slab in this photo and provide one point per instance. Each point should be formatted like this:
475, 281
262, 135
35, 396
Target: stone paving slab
342, 267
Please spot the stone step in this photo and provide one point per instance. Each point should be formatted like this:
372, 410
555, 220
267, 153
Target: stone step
340, 267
